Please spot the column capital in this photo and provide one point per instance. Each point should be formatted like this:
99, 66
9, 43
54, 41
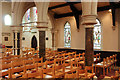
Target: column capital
88, 19
89, 26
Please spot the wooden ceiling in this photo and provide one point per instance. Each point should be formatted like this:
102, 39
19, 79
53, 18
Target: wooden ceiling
65, 8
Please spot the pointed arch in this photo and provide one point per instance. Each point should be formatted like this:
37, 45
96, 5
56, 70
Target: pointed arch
34, 42
97, 35
67, 35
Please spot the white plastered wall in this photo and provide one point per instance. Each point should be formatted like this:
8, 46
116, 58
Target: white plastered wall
6, 9
109, 36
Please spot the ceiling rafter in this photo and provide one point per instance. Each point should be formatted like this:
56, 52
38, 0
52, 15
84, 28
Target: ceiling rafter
62, 5
112, 4
75, 13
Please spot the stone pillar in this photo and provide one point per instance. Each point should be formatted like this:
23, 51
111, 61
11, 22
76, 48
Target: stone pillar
42, 42
21, 41
54, 39
16, 42
42, 24
16, 30
89, 13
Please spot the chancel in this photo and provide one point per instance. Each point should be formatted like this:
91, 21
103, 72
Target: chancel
65, 39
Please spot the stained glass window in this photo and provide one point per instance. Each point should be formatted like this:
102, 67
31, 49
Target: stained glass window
97, 35
35, 13
67, 35
27, 18
28, 15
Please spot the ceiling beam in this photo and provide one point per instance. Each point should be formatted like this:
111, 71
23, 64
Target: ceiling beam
62, 5
80, 11
75, 13
112, 4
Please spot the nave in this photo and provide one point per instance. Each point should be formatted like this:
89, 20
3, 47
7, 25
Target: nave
61, 40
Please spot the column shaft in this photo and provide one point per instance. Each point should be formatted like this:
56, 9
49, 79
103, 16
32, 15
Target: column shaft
89, 53
16, 42
42, 44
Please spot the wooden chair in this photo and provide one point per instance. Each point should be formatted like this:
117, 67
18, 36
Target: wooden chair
31, 51
115, 59
76, 56
47, 71
87, 73
72, 75
116, 77
5, 61
103, 65
70, 67
29, 66
5, 74
37, 74
36, 54
97, 58
16, 72
38, 62
59, 71
5, 70
66, 56
49, 64
81, 61
8, 51
69, 58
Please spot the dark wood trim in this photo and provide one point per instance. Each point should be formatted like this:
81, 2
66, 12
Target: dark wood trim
62, 5
112, 4
56, 16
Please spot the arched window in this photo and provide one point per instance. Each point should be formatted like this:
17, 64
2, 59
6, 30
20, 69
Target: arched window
7, 19
97, 35
27, 19
67, 35
35, 13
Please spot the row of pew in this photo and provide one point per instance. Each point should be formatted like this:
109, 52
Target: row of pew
57, 65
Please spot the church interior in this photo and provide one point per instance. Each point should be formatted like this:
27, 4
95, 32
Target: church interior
67, 39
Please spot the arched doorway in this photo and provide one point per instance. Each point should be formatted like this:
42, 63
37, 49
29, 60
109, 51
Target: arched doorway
34, 42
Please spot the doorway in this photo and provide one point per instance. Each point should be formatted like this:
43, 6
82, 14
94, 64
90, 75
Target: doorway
34, 42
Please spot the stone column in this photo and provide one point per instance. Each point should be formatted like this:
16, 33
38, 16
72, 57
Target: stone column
21, 41
89, 13
42, 24
54, 40
42, 42
16, 30
16, 42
